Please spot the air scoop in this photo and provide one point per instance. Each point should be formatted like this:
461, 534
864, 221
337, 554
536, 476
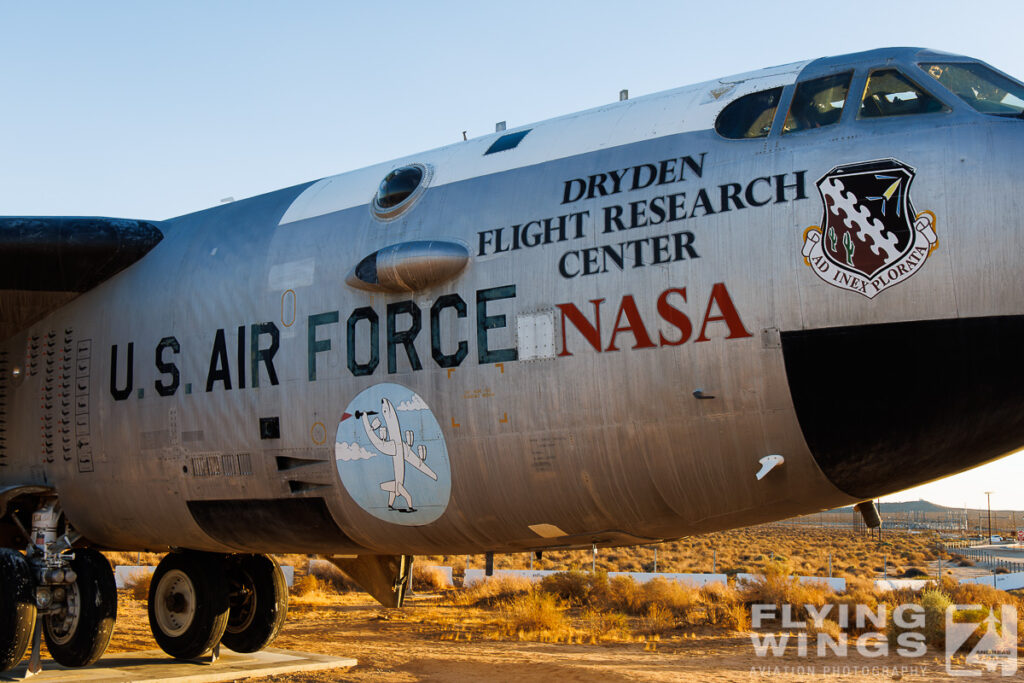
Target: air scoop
409, 266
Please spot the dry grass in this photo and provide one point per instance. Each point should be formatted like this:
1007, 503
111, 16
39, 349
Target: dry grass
626, 595
806, 549
583, 606
590, 607
307, 585
490, 593
777, 587
657, 621
311, 590
724, 607
532, 613
827, 626
576, 587
600, 624
118, 558
138, 584
429, 579
333, 579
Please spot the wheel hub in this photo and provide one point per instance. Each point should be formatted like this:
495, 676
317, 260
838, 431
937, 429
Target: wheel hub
175, 603
243, 604
64, 623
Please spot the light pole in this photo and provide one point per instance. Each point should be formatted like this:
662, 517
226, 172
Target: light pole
988, 495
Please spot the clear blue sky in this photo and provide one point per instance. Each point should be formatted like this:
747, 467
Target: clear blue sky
151, 110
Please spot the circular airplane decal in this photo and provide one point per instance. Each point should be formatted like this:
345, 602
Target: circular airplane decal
392, 457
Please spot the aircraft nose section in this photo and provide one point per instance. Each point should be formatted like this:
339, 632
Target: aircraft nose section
887, 407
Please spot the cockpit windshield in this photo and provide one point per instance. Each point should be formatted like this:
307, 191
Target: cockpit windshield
979, 86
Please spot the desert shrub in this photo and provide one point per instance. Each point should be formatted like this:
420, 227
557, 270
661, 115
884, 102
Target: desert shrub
624, 594
723, 607
914, 572
858, 592
979, 594
599, 623
861, 589
498, 589
532, 612
803, 594
827, 626
120, 558
658, 620
332, 579
429, 579
935, 603
138, 584
767, 589
678, 598
947, 584
307, 585
777, 588
577, 587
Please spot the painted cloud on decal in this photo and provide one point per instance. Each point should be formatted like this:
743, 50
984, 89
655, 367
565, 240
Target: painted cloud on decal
351, 451
415, 403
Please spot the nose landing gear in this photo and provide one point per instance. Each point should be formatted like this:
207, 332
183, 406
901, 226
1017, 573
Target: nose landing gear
78, 631
196, 599
72, 594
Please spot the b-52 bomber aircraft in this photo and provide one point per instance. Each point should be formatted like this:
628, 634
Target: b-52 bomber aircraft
734, 302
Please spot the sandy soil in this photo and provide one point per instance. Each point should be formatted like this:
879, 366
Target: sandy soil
431, 641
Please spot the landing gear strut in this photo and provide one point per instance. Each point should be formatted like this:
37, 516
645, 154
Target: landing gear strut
78, 629
71, 593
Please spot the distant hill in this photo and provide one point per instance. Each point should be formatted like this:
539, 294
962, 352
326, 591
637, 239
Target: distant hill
921, 506
912, 506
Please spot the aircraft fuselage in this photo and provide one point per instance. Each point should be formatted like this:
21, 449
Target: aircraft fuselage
644, 313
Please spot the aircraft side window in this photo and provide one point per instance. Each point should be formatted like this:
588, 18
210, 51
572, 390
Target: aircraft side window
986, 90
818, 102
749, 116
890, 93
399, 190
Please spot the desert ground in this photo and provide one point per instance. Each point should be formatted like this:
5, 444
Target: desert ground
580, 626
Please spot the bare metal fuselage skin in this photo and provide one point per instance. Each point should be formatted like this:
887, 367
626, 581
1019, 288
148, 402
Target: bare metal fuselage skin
242, 313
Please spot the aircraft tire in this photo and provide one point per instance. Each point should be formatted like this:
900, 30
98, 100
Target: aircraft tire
188, 603
79, 639
17, 607
258, 595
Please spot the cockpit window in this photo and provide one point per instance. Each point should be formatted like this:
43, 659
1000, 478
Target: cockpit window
979, 86
817, 103
890, 93
749, 116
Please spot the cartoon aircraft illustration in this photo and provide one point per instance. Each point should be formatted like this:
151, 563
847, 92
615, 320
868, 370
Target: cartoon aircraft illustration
387, 440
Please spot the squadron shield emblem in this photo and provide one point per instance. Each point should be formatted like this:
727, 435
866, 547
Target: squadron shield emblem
870, 238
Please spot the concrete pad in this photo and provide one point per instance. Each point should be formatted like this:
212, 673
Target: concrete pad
155, 665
